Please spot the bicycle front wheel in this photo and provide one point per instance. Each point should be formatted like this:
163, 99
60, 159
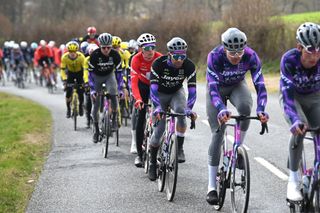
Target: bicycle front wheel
106, 133
315, 193
161, 166
172, 168
240, 182
75, 112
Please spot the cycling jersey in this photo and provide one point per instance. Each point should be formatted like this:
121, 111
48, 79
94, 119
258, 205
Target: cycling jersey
71, 65
41, 53
296, 79
93, 40
102, 65
221, 73
140, 71
85, 69
167, 79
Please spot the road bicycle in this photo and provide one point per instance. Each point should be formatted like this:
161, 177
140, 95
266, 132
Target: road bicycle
106, 130
167, 159
75, 101
148, 130
124, 109
310, 178
234, 170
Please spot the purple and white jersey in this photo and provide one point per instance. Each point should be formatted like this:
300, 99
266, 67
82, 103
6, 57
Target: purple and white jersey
296, 78
221, 73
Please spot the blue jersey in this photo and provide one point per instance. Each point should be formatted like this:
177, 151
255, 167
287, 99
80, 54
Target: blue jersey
221, 73
296, 78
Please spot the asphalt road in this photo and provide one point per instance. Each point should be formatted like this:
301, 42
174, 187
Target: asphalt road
76, 178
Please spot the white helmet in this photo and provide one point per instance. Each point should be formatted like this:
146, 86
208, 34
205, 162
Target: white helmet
23, 44
34, 45
15, 46
146, 38
62, 47
234, 40
91, 48
308, 34
133, 44
43, 43
51, 44
177, 43
105, 39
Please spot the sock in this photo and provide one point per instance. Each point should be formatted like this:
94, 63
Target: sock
294, 176
243, 135
212, 171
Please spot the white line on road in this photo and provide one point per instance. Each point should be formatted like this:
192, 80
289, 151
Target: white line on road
271, 168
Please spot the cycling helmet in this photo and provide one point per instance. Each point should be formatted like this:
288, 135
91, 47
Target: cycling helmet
72, 46
177, 43
234, 40
62, 47
51, 43
91, 30
91, 48
105, 39
146, 38
116, 41
308, 34
133, 44
83, 47
6, 44
15, 46
124, 45
34, 45
23, 44
43, 43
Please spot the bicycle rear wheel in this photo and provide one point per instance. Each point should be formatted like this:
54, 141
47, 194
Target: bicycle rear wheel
106, 133
240, 182
315, 195
145, 149
161, 166
172, 168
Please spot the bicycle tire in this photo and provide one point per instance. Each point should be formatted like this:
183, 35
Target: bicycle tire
161, 167
172, 168
145, 149
222, 181
315, 196
74, 113
106, 133
242, 167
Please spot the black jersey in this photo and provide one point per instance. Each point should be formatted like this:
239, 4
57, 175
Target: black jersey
170, 79
103, 65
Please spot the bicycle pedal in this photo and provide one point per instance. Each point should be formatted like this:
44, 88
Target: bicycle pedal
295, 202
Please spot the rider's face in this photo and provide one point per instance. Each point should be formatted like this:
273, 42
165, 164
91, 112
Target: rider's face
234, 57
309, 58
73, 55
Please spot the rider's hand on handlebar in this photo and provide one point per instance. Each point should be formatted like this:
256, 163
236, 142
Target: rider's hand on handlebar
298, 128
158, 113
93, 95
64, 85
139, 104
191, 114
223, 116
263, 116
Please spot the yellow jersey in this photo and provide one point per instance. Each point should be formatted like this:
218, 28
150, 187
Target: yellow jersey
71, 65
125, 57
85, 69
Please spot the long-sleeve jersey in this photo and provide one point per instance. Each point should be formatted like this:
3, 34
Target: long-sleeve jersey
140, 71
165, 78
102, 65
16, 57
42, 52
221, 73
296, 79
71, 65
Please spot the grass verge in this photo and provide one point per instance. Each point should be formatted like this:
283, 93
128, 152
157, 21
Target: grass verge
25, 139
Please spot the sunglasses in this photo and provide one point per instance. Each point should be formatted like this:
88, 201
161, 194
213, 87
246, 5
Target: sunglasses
311, 50
148, 48
179, 56
106, 47
235, 53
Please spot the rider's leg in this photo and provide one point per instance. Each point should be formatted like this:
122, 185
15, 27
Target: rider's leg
68, 101
178, 104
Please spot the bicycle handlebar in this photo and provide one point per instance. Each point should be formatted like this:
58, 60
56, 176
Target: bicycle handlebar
173, 114
238, 118
315, 130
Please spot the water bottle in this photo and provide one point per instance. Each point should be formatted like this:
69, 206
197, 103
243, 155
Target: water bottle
225, 162
305, 182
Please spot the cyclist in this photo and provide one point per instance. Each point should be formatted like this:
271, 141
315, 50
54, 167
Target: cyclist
72, 68
92, 36
227, 66
300, 96
167, 75
43, 55
103, 62
140, 82
17, 62
89, 50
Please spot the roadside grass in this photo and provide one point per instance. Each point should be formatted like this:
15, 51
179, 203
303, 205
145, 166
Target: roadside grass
25, 139
300, 18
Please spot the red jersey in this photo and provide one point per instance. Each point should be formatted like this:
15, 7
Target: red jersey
41, 53
140, 71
